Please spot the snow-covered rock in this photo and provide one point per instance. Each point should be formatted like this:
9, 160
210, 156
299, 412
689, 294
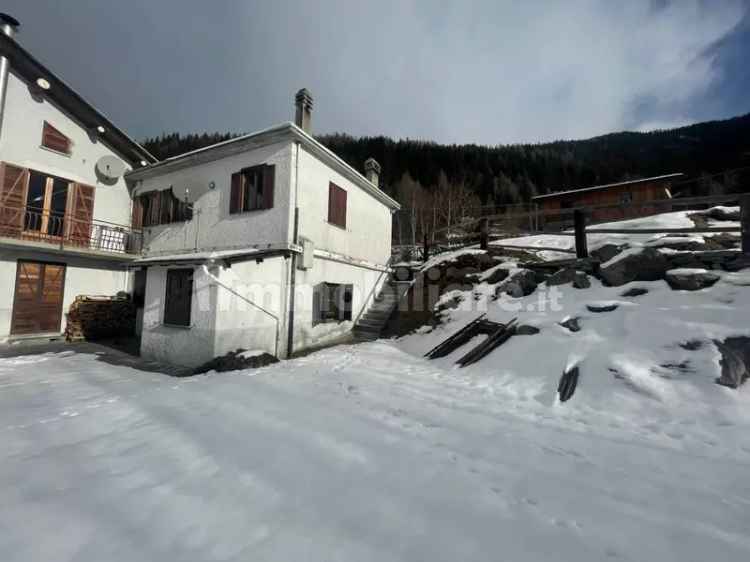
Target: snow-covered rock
686, 279
635, 264
520, 283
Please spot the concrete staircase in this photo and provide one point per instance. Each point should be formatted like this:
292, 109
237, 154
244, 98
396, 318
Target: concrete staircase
370, 325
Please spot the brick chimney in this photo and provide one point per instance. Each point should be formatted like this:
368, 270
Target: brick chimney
304, 104
372, 171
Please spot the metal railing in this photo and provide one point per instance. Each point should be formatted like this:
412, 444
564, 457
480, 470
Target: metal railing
66, 231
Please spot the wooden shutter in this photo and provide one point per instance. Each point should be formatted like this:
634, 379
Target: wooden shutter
269, 173
336, 205
54, 139
80, 213
154, 208
235, 196
137, 220
37, 305
14, 185
345, 299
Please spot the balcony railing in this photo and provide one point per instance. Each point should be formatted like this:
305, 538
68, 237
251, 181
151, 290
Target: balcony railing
68, 232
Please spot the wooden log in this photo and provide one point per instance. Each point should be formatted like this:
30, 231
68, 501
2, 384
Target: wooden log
579, 218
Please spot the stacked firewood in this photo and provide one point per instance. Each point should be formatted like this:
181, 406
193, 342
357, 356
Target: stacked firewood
94, 317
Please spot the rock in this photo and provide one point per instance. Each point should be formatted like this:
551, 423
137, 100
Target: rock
647, 265
691, 345
602, 307
723, 213
735, 353
520, 283
634, 292
568, 384
581, 280
236, 360
690, 279
607, 252
526, 330
571, 324
496, 275
561, 277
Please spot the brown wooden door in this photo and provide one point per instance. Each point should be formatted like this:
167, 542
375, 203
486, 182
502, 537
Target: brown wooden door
37, 307
79, 214
14, 182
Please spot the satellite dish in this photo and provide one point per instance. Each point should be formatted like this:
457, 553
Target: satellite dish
110, 167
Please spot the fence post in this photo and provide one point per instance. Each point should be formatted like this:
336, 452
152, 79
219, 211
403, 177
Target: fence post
425, 248
484, 233
745, 222
579, 219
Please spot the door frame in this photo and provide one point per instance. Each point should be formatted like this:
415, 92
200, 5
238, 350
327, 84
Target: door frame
41, 280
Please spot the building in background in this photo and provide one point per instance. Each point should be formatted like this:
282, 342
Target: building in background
612, 201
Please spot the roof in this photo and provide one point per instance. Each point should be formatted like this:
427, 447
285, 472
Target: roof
284, 132
608, 186
24, 64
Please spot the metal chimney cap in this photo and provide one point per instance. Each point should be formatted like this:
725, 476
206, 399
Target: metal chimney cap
372, 164
9, 20
304, 96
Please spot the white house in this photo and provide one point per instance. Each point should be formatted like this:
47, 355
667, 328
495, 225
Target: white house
65, 209
268, 241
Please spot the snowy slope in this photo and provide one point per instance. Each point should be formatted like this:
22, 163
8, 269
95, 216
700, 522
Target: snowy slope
360, 453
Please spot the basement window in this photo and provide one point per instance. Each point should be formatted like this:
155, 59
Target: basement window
55, 140
179, 297
332, 302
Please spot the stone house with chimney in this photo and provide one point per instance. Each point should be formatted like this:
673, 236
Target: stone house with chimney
268, 241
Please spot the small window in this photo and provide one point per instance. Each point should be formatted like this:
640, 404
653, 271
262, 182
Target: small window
252, 189
336, 205
332, 302
179, 296
626, 198
160, 207
55, 140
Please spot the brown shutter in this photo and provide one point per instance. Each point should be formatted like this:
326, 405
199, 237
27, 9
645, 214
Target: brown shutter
269, 173
137, 220
80, 214
14, 184
54, 139
155, 200
342, 208
235, 197
331, 203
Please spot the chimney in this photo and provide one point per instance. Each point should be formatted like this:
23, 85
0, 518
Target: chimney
372, 171
304, 103
8, 26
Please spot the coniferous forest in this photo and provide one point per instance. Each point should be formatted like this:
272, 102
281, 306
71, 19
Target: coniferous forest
424, 174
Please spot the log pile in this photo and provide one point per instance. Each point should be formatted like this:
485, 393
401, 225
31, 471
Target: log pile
94, 317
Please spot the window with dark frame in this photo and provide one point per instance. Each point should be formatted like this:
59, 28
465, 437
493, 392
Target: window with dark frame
160, 207
55, 140
252, 189
332, 302
336, 205
179, 296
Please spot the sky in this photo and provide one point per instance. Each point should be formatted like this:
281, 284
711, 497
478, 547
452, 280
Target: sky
485, 72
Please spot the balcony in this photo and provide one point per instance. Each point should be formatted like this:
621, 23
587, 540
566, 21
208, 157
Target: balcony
48, 230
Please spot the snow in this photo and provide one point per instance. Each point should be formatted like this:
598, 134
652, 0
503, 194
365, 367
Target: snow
370, 453
687, 271
252, 353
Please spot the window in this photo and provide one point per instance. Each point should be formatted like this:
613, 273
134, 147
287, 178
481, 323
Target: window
332, 302
179, 297
626, 198
336, 205
55, 140
160, 207
46, 200
252, 189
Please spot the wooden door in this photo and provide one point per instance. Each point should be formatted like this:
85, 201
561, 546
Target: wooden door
14, 182
37, 307
79, 214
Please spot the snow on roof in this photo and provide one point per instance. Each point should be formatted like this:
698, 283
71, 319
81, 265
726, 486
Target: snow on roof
198, 256
607, 186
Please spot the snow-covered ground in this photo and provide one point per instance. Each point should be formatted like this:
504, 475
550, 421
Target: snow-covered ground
368, 452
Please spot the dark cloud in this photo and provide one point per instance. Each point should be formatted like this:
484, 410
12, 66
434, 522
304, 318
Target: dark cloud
486, 72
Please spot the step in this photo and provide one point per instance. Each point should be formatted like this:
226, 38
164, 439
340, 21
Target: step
368, 329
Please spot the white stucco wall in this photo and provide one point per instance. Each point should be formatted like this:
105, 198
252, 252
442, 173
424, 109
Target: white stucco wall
189, 346
308, 333
82, 277
368, 221
212, 227
20, 144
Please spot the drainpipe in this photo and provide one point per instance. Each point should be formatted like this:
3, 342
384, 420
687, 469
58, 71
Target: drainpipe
293, 275
8, 26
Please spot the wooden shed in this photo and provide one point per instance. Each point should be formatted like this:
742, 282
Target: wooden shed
612, 201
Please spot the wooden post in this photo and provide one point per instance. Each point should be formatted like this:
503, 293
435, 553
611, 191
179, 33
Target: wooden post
579, 219
425, 248
745, 222
484, 233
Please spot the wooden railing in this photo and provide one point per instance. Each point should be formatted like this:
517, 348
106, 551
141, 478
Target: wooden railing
66, 231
